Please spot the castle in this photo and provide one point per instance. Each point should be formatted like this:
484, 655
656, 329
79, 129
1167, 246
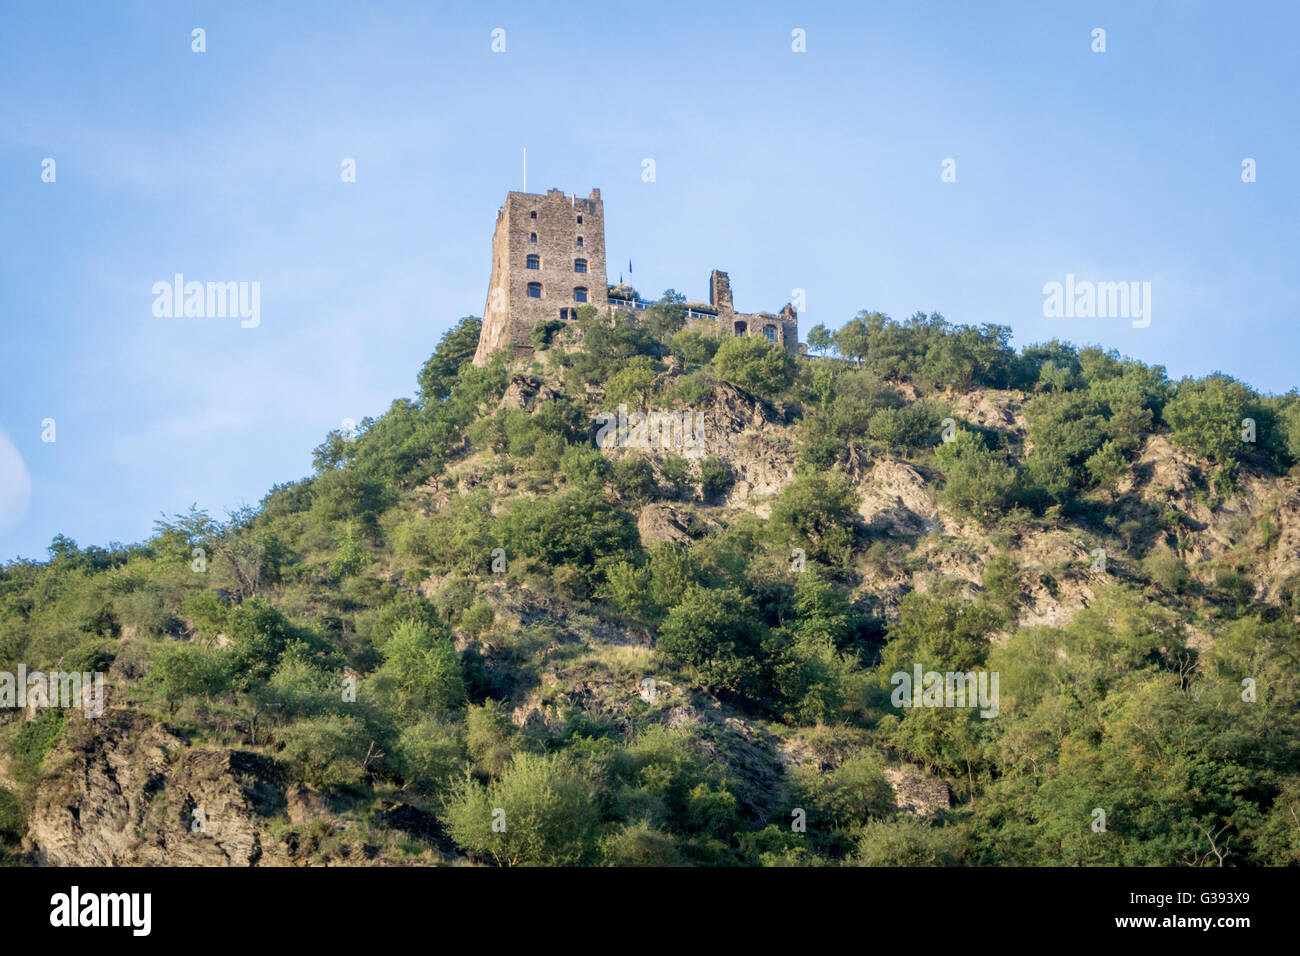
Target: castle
548, 259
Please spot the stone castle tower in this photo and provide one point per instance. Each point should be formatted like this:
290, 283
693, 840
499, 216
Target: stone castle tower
548, 258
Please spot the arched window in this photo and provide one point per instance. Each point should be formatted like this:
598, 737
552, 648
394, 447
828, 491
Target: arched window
770, 332
580, 294
740, 328
533, 214
579, 265
532, 237
580, 242
533, 262
534, 290
580, 220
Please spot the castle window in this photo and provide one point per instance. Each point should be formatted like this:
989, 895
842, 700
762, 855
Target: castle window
580, 294
580, 220
534, 262
579, 265
533, 214
532, 237
564, 313
740, 328
770, 332
534, 290
580, 242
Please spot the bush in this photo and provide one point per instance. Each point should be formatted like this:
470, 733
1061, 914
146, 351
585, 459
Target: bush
979, 483
327, 751
716, 477
755, 365
694, 348
421, 670
633, 478
181, 671
819, 509
677, 472
430, 754
544, 332
1205, 415
907, 842
543, 812
715, 633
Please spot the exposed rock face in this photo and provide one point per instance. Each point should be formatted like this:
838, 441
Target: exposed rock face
918, 793
747, 433
662, 523
896, 501
128, 792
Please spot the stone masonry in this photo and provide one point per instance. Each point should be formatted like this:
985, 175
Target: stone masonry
548, 260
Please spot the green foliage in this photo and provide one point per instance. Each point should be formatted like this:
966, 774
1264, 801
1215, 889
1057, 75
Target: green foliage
544, 332
817, 510
34, 741
755, 365
632, 384
182, 671
1205, 415
455, 348
633, 478
820, 340
716, 477
694, 348
677, 472
543, 809
349, 556
421, 670
259, 634
430, 754
324, 752
978, 482
716, 634
907, 842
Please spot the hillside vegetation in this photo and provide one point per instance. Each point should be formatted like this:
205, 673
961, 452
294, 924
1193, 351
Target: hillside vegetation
474, 636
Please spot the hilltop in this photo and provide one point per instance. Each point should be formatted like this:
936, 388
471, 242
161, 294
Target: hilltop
482, 632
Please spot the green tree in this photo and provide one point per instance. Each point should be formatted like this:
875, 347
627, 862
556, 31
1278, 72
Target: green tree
818, 509
717, 634
755, 365
539, 812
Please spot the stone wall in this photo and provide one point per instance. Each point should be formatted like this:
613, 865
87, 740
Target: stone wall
548, 227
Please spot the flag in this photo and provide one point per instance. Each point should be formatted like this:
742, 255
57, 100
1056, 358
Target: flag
629, 267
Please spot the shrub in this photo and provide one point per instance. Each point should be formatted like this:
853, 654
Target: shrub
755, 365
677, 472
421, 670
181, 671
978, 482
430, 754
542, 808
717, 634
544, 332
328, 751
716, 477
694, 348
820, 509
907, 842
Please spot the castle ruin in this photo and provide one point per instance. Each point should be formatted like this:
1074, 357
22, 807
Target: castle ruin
548, 260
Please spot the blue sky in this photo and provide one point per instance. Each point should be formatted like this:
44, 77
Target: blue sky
818, 171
